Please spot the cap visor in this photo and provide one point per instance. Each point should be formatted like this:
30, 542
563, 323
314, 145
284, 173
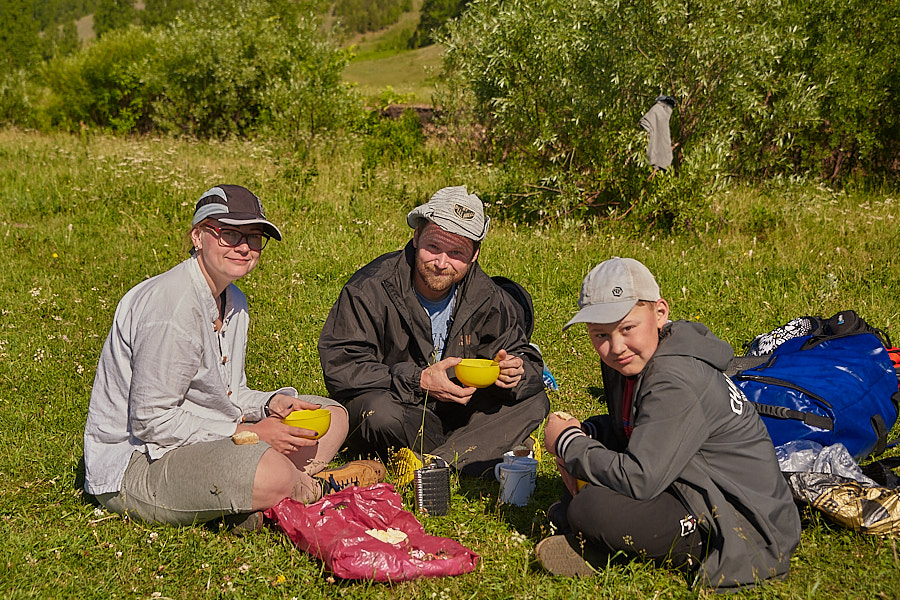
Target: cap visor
609, 312
248, 219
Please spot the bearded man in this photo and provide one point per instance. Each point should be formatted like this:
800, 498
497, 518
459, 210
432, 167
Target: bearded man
400, 325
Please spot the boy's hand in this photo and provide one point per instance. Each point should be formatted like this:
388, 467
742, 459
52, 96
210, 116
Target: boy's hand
557, 423
567, 478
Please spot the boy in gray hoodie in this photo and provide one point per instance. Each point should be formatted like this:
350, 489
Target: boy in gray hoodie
681, 471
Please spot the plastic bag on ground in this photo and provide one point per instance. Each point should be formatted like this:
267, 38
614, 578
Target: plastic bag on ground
867, 509
364, 533
808, 456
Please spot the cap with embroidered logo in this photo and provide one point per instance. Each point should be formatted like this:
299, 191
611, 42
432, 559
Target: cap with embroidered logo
233, 205
611, 290
454, 210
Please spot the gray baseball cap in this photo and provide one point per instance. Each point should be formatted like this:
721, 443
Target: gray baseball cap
233, 205
454, 210
611, 290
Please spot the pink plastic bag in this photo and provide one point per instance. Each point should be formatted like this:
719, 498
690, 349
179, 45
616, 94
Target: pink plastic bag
334, 530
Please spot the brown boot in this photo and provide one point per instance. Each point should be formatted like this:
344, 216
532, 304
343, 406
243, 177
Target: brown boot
360, 473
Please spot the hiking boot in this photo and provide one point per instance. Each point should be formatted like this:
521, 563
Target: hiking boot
361, 473
558, 517
241, 524
569, 556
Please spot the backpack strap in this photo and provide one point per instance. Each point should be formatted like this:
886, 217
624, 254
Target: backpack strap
843, 324
781, 412
523, 304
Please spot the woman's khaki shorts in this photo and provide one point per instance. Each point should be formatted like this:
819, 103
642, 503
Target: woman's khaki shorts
191, 484
188, 485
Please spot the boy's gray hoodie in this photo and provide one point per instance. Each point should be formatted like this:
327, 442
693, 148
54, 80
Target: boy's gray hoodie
696, 433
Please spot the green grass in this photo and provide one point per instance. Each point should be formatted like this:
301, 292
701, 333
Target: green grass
84, 219
412, 74
381, 62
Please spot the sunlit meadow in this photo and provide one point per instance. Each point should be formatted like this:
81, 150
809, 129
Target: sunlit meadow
83, 219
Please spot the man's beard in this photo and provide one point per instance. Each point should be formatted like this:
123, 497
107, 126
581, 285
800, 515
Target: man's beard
438, 283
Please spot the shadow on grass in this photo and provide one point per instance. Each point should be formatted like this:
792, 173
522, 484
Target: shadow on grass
78, 471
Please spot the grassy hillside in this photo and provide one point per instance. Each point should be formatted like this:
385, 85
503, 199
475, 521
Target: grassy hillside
410, 74
382, 63
86, 218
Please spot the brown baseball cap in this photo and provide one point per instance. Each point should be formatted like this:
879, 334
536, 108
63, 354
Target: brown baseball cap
233, 205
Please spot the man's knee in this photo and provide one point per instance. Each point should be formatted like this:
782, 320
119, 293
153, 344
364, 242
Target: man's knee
375, 416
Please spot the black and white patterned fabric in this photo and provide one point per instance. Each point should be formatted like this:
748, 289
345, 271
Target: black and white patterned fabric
767, 342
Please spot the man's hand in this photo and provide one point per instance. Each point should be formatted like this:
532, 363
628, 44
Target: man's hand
511, 370
436, 381
556, 424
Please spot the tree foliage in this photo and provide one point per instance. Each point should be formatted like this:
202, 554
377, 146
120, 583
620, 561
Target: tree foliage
362, 16
223, 68
19, 41
434, 14
764, 87
113, 14
160, 12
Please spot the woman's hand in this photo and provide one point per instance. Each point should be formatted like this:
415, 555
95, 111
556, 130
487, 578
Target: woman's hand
282, 405
283, 438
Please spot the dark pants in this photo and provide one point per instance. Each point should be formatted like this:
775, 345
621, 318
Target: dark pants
660, 529
471, 438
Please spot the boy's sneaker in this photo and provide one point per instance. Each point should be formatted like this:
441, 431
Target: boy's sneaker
559, 520
360, 473
568, 556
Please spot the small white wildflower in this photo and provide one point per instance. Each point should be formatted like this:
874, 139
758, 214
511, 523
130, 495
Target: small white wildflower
98, 512
244, 568
35, 292
152, 538
119, 554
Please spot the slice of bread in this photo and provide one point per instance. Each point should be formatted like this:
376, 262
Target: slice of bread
245, 437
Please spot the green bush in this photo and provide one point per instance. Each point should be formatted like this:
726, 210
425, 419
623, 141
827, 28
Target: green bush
15, 108
220, 69
390, 140
763, 88
230, 66
107, 84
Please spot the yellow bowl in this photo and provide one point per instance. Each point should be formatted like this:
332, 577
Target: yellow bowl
318, 420
477, 372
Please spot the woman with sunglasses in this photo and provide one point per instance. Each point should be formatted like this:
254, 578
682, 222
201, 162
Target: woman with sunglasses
170, 401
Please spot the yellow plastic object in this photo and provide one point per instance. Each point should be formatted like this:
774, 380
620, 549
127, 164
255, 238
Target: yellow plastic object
318, 420
477, 372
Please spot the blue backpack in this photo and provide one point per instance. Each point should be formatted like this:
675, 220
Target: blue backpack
828, 386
